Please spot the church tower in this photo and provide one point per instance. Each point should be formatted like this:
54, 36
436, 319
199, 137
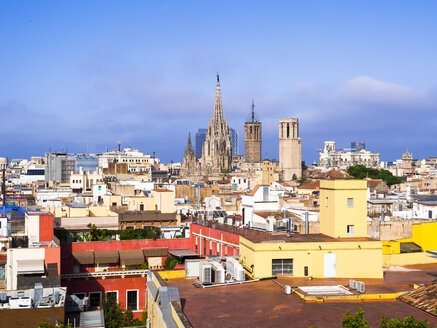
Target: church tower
189, 164
290, 149
217, 148
252, 139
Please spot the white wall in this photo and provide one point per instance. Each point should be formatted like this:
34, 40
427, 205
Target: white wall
17, 254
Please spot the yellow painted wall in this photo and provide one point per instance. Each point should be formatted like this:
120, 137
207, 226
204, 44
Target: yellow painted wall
408, 259
172, 274
134, 202
351, 260
336, 215
423, 234
164, 200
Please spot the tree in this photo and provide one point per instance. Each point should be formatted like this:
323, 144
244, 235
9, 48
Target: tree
356, 320
113, 314
362, 172
408, 322
170, 263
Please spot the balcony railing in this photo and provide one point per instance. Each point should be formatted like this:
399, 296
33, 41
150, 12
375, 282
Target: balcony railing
104, 274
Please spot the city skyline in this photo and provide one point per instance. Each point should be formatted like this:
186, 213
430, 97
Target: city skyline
82, 76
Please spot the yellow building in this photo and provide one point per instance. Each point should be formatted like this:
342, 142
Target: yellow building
141, 203
267, 173
163, 304
343, 208
340, 250
164, 200
412, 250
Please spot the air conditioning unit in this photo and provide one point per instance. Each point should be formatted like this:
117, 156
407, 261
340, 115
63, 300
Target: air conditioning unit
360, 287
205, 273
192, 268
218, 273
352, 284
235, 269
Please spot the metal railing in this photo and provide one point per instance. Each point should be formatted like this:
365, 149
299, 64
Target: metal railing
242, 231
105, 274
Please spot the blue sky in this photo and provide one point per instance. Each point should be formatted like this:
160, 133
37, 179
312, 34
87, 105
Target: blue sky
80, 75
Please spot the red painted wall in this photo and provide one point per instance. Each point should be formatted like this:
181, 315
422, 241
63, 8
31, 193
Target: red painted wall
53, 255
46, 223
68, 248
216, 234
111, 284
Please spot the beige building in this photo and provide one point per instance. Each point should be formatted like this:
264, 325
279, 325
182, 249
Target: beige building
290, 149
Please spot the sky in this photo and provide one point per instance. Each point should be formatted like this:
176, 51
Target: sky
81, 75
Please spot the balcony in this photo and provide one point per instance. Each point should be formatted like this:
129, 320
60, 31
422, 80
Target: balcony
114, 272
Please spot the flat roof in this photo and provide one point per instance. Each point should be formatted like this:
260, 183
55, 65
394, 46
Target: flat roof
265, 304
301, 238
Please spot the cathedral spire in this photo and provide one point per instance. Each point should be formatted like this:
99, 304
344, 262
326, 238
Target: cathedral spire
218, 111
189, 146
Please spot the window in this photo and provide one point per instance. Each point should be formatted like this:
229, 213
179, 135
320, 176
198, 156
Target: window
350, 202
350, 229
95, 299
132, 299
282, 266
326, 200
113, 293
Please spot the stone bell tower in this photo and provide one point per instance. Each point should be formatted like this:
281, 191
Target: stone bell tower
252, 139
290, 148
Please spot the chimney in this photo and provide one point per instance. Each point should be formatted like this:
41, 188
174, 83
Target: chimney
307, 224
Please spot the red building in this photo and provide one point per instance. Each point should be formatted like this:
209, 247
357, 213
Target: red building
93, 269
220, 240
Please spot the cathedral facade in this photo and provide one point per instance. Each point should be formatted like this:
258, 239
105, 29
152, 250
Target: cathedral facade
217, 148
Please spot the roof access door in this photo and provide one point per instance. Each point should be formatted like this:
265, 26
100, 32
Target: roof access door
330, 262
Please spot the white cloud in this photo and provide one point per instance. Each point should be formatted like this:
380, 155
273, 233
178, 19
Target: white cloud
366, 90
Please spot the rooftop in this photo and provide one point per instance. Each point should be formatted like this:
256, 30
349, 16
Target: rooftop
265, 304
301, 238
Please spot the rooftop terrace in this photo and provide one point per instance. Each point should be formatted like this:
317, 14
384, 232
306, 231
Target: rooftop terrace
265, 304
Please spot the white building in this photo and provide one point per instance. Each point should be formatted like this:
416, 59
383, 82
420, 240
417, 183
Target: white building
260, 199
332, 157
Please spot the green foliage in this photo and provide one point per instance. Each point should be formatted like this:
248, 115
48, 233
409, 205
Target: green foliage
356, 320
146, 233
408, 322
144, 315
294, 178
128, 318
113, 314
170, 263
142, 266
362, 172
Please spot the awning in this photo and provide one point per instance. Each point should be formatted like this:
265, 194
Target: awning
30, 266
105, 257
181, 253
84, 257
131, 257
155, 252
